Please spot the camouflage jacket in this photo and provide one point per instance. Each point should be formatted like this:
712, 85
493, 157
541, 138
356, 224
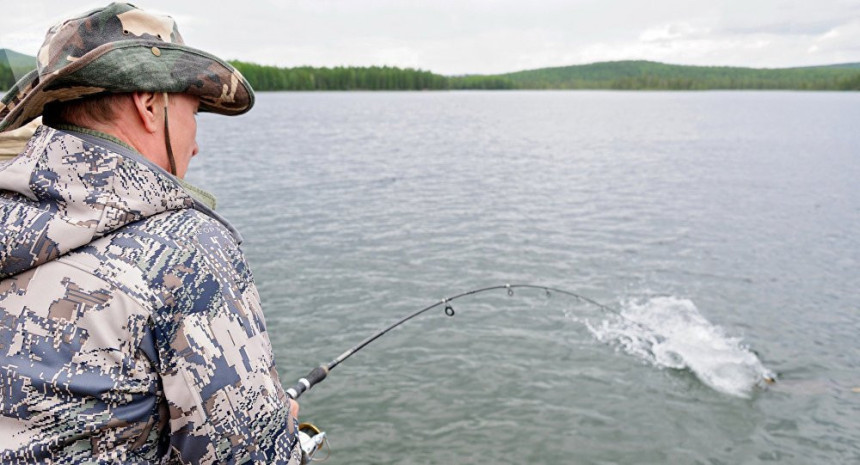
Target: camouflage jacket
130, 327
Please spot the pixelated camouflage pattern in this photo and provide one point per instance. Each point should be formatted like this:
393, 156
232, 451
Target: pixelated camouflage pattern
121, 48
130, 327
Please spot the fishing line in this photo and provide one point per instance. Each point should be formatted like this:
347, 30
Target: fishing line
319, 373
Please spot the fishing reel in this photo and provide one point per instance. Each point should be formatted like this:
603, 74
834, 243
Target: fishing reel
311, 441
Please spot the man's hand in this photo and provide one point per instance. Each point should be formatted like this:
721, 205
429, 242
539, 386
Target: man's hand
294, 408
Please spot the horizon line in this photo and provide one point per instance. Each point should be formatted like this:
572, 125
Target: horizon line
828, 65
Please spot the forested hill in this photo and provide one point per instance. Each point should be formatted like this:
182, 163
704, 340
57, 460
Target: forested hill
658, 76
841, 65
14, 65
621, 75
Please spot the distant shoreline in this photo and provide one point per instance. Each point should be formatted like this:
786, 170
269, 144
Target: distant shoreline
620, 91
644, 91
633, 75
621, 75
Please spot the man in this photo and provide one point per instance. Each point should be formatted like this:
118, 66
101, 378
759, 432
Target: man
130, 327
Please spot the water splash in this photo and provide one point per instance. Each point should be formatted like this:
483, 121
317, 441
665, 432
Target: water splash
669, 332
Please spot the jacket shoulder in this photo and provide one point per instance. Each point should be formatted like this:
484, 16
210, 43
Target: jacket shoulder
168, 259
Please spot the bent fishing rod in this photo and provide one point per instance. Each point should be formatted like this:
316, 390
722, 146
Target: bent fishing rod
319, 373
312, 439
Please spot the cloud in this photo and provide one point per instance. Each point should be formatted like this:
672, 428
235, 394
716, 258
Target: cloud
713, 41
491, 36
789, 28
673, 32
842, 41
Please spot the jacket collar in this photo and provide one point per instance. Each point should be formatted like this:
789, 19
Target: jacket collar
79, 187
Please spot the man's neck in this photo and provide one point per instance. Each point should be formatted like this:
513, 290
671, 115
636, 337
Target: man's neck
96, 133
199, 194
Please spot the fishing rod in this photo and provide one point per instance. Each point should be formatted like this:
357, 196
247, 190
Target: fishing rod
319, 373
312, 439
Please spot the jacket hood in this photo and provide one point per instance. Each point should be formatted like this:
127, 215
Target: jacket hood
67, 189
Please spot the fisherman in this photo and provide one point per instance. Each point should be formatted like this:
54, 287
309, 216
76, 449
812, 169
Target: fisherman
130, 326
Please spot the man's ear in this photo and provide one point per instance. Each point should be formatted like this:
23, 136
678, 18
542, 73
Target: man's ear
149, 109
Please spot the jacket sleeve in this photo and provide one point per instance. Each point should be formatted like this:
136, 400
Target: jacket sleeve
226, 403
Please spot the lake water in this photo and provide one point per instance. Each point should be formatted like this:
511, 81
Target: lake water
723, 226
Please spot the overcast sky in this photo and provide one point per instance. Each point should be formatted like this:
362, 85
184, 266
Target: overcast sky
484, 36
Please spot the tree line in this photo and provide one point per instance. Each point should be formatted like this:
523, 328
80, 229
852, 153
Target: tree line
361, 78
622, 75
264, 78
7, 79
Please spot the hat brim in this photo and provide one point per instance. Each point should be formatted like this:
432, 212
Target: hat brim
129, 66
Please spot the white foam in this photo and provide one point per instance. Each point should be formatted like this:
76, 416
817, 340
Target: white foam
670, 332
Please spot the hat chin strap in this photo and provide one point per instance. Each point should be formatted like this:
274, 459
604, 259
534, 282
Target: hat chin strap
167, 139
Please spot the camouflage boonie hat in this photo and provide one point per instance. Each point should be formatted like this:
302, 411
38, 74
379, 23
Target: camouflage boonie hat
120, 48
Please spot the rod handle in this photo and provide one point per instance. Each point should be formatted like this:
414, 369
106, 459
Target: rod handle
315, 376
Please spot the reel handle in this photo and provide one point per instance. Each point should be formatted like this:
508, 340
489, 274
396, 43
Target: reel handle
315, 376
